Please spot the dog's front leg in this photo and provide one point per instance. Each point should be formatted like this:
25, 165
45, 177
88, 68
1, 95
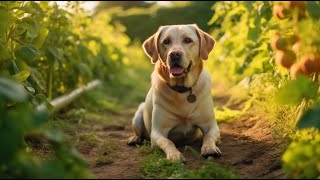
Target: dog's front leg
211, 136
160, 139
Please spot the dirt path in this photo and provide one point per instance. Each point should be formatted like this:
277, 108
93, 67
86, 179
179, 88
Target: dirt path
247, 147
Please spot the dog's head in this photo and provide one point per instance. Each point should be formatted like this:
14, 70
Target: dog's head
179, 48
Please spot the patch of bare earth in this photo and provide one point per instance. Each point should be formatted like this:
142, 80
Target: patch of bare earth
246, 144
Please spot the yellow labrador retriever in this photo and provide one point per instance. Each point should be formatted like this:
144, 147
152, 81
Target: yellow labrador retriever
179, 102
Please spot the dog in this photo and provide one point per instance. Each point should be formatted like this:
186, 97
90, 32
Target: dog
179, 105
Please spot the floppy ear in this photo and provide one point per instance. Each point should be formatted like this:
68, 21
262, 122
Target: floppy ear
206, 42
150, 46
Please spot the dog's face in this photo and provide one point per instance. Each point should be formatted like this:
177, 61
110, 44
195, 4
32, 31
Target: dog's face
179, 47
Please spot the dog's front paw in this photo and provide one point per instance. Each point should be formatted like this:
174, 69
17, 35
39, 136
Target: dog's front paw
133, 140
210, 151
175, 156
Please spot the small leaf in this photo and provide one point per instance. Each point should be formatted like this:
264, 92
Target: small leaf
5, 20
311, 118
42, 99
22, 76
15, 67
294, 91
40, 38
10, 137
11, 90
313, 9
40, 115
27, 52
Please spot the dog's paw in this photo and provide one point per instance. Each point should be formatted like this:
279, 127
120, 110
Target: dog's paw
175, 156
133, 140
210, 151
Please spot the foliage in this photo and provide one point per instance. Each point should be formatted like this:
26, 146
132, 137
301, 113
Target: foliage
45, 51
155, 165
104, 5
20, 122
310, 118
45, 46
274, 45
178, 13
210, 170
301, 159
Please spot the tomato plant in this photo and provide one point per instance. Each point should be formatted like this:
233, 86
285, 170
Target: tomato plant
273, 49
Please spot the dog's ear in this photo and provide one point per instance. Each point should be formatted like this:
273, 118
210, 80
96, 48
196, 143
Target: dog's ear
206, 42
150, 46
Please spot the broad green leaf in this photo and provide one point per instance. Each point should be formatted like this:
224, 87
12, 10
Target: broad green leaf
40, 116
53, 54
43, 99
54, 136
313, 9
295, 90
84, 70
11, 90
15, 67
4, 51
37, 79
27, 52
22, 75
10, 138
311, 118
40, 38
6, 20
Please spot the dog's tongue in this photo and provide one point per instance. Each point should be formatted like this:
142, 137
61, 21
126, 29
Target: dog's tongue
176, 70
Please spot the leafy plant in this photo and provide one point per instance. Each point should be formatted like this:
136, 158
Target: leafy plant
275, 45
19, 122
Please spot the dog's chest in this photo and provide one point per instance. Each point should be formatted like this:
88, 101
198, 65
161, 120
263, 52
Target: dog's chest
184, 127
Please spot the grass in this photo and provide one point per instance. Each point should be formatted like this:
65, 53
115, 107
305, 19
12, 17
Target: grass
89, 139
155, 165
109, 153
103, 160
280, 117
210, 170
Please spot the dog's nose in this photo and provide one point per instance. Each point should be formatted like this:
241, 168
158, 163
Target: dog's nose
175, 54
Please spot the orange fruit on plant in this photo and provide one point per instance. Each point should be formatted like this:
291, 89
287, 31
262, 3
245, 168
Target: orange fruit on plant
296, 47
295, 69
280, 11
310, 65
278, 43
297, 3
285, 58
293, 39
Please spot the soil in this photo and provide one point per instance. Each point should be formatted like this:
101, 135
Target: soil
246, 144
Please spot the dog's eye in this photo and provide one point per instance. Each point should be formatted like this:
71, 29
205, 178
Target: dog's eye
166, 41
187, 40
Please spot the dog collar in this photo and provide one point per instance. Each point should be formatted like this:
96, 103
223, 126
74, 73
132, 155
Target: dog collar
191, 98
180, 89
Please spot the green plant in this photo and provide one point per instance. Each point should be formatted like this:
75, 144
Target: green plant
276, 47
301, 158
21, 122
45, 51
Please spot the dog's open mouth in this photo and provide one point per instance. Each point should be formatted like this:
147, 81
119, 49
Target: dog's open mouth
176, 70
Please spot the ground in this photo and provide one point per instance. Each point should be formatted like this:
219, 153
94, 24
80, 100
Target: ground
246, 144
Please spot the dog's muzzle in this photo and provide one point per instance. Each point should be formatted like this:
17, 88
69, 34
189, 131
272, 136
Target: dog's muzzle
177, 70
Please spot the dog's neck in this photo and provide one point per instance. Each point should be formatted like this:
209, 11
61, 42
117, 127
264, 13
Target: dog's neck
183, 83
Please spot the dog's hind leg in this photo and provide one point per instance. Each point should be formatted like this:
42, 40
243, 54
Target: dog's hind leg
137, 127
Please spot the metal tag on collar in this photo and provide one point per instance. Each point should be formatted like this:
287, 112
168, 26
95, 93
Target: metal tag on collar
191, 98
